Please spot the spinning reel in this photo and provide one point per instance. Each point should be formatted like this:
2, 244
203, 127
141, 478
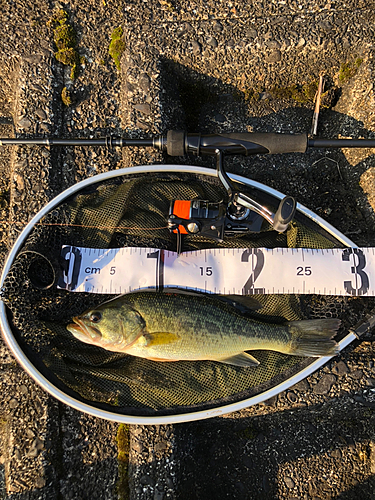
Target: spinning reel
218, 220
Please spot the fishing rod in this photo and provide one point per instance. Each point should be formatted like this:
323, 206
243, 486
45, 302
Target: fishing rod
179, 143
239, 214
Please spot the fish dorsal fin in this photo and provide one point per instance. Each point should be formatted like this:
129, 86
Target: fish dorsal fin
242, 359
161, 338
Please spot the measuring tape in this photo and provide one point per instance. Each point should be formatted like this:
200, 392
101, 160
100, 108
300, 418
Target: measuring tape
241, 271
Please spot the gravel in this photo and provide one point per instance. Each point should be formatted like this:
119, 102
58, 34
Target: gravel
316, 439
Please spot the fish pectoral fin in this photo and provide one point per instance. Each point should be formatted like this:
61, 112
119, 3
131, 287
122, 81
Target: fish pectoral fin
160, 338
242, 359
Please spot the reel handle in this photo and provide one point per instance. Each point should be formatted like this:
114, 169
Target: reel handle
284, 214
238, 143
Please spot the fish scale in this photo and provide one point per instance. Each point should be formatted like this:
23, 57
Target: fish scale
165, 326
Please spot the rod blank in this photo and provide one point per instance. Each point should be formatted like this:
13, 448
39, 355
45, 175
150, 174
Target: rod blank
233, 143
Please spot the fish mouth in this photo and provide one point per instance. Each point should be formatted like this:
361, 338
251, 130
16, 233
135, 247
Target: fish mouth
82, 332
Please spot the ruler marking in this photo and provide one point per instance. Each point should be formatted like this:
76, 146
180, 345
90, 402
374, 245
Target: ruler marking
355, 272
268, 266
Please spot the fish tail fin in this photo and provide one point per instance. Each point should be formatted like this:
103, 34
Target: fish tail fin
314, 337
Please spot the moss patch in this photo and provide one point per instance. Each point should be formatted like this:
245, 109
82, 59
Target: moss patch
123, 446
66, 41
303, 94
117, 46
248, 433
66, 97
349, 69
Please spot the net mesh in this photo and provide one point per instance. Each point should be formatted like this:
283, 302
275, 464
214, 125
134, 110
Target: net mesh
132, 211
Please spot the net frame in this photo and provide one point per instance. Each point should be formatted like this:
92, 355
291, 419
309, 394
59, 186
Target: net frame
47, 385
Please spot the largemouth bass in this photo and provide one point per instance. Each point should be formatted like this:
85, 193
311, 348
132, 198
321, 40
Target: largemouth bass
165, 326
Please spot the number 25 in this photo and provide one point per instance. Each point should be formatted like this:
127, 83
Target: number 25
304, 271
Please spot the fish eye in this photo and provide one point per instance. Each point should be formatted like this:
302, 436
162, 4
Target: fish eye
95, 317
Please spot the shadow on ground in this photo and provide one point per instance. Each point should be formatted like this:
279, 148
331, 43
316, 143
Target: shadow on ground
272, 456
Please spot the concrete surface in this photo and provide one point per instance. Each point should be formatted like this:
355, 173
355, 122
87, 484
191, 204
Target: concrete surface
209, 67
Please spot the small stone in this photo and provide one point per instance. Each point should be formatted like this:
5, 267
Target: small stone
23, 390
271, 401
40, 482
35, 86
13, 403
20, 183
340, 369
169, 483
144, 82
212, 42
24, 123
272, 44
218, 27
289, 482
142, 125
21, 164
196, 47
33, 58
41, 114
38, 443
219, 118
324, 385
292, 397
38, 188
147, 481
370, 382
143, 108
359, 398
301, 43
32, 453
252, 33
356, 374
159, 495
161, 446
29, 433
302, 386
336, 453
138, 446
275, 56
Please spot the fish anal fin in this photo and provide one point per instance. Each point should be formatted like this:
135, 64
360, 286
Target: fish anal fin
243, 359
161, 338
